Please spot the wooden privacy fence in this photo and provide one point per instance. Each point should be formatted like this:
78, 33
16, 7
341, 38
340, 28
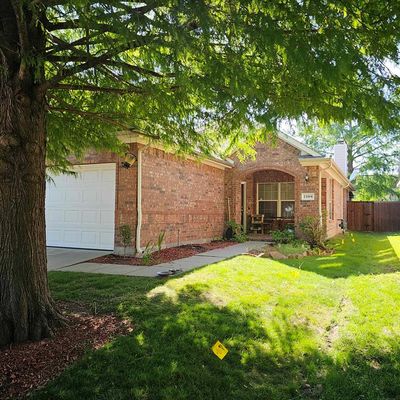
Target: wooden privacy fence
373, 216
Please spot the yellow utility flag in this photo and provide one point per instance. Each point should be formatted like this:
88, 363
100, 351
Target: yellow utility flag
219, 350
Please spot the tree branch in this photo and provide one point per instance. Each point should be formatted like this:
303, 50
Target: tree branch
102, 117
90, 114
93, 88
121, 64
140, 70
22, 34
363, 145
368, 151
94, 61
62, 45
76, 23
4, 44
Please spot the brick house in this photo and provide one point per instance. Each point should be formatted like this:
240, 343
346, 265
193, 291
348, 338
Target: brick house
190, 199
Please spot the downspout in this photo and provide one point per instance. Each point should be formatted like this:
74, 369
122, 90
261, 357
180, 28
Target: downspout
139, 201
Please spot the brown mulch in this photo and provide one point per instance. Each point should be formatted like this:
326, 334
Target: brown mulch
165, 255
30, 365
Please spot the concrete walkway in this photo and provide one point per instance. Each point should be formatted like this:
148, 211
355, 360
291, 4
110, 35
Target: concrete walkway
60, 257
186, 264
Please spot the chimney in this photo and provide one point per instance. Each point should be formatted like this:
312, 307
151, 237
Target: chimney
340, 156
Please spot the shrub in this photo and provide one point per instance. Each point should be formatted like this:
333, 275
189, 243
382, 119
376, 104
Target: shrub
240, 237
235, 231
125, 232
147, 253
285, 236
160, 240
314, 231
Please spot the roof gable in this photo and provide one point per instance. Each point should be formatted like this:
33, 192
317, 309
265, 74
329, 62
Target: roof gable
304, 149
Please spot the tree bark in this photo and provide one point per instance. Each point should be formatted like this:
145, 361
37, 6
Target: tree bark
350, 160
26, 309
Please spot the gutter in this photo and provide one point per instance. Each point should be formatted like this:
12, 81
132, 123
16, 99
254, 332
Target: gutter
139, 201
137, 137
328, 163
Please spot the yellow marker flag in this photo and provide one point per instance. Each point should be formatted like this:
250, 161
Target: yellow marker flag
219, 350
342, 241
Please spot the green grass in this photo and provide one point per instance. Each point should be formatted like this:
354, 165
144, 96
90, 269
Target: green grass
315, 328
292, 248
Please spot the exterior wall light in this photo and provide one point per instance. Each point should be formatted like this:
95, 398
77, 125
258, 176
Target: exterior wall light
129, 160
306, 177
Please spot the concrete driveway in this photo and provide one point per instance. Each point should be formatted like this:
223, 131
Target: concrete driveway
60, 257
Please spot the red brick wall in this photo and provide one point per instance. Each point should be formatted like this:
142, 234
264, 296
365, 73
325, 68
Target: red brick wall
272, 176
323, 195
189, 200
184, 198
274, 163
336, 194
309, 208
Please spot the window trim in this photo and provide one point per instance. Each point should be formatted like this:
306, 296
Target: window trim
279, 200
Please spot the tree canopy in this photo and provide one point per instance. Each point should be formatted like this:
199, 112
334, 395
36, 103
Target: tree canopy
378, 187
373, 155
193, 73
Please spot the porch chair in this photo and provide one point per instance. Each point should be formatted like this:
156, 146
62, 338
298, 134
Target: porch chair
256, 225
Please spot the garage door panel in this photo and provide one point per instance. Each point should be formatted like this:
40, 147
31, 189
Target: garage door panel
105, 237
89, 238
74, 195
108, 176
54, 215
90, 217
106, 217
107, 198
89, 196
80, 209
55, 196
72, 216
57, 236
71, 236
91, 177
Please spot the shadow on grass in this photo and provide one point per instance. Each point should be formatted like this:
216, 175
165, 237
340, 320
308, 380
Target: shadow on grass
367, 254
168, 355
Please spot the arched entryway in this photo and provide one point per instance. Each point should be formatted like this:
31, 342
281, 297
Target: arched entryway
268, 194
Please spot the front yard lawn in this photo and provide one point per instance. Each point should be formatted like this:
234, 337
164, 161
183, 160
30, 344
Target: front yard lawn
312, 328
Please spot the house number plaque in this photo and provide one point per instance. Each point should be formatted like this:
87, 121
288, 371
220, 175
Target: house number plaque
307, 196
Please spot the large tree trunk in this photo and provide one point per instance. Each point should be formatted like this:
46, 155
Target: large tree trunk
26, 309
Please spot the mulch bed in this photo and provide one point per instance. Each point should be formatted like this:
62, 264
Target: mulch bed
165, 255
30, 365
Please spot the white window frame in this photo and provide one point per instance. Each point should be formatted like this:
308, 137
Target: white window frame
278, 201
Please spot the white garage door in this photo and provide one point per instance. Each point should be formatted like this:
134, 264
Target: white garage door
80, 209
